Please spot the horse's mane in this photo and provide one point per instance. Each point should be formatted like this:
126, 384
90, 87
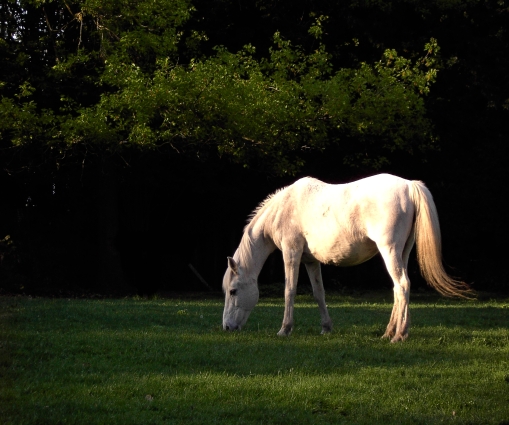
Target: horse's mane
251, 218
246, 243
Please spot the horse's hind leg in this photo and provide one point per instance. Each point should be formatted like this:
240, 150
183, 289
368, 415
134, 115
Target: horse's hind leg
390, 332
315, 276
397, 329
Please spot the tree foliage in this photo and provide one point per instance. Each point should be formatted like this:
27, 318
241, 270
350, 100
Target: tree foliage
103, 78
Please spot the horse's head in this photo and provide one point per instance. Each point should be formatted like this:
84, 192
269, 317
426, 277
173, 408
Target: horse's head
241, 295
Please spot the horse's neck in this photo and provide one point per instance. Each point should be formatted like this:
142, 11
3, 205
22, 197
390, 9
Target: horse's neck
253, 252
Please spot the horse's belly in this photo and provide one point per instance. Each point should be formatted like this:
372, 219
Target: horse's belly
343, 253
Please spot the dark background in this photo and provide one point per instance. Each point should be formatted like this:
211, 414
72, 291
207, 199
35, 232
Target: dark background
112, 229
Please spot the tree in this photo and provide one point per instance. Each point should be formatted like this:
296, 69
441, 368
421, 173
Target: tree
117, 84
88, 87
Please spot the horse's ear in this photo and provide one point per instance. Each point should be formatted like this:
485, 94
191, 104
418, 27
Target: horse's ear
233, 265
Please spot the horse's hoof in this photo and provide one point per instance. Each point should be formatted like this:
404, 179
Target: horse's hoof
327, 327
388, 334
285, 331
399, 338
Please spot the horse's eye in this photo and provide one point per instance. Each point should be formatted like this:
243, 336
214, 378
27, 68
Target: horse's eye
233, 292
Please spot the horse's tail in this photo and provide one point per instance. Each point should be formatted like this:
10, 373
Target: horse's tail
429, 244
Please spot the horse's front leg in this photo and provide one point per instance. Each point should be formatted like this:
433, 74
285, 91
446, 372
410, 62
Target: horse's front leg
292, 263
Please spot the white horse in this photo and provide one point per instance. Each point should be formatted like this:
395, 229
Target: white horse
346, 224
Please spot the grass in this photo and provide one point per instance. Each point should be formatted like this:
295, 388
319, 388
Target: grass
167, 361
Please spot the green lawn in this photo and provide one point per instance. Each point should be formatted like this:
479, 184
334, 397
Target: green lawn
167, 361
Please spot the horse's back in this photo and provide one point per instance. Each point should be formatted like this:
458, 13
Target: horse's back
343, 223
375, 195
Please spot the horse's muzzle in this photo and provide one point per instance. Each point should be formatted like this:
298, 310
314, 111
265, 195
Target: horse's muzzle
230, 327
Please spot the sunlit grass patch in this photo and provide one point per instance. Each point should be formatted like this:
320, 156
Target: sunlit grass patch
138, 361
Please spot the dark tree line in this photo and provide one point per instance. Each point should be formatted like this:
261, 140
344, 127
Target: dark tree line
135, 138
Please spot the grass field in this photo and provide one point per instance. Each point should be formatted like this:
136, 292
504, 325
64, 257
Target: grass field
167, 361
